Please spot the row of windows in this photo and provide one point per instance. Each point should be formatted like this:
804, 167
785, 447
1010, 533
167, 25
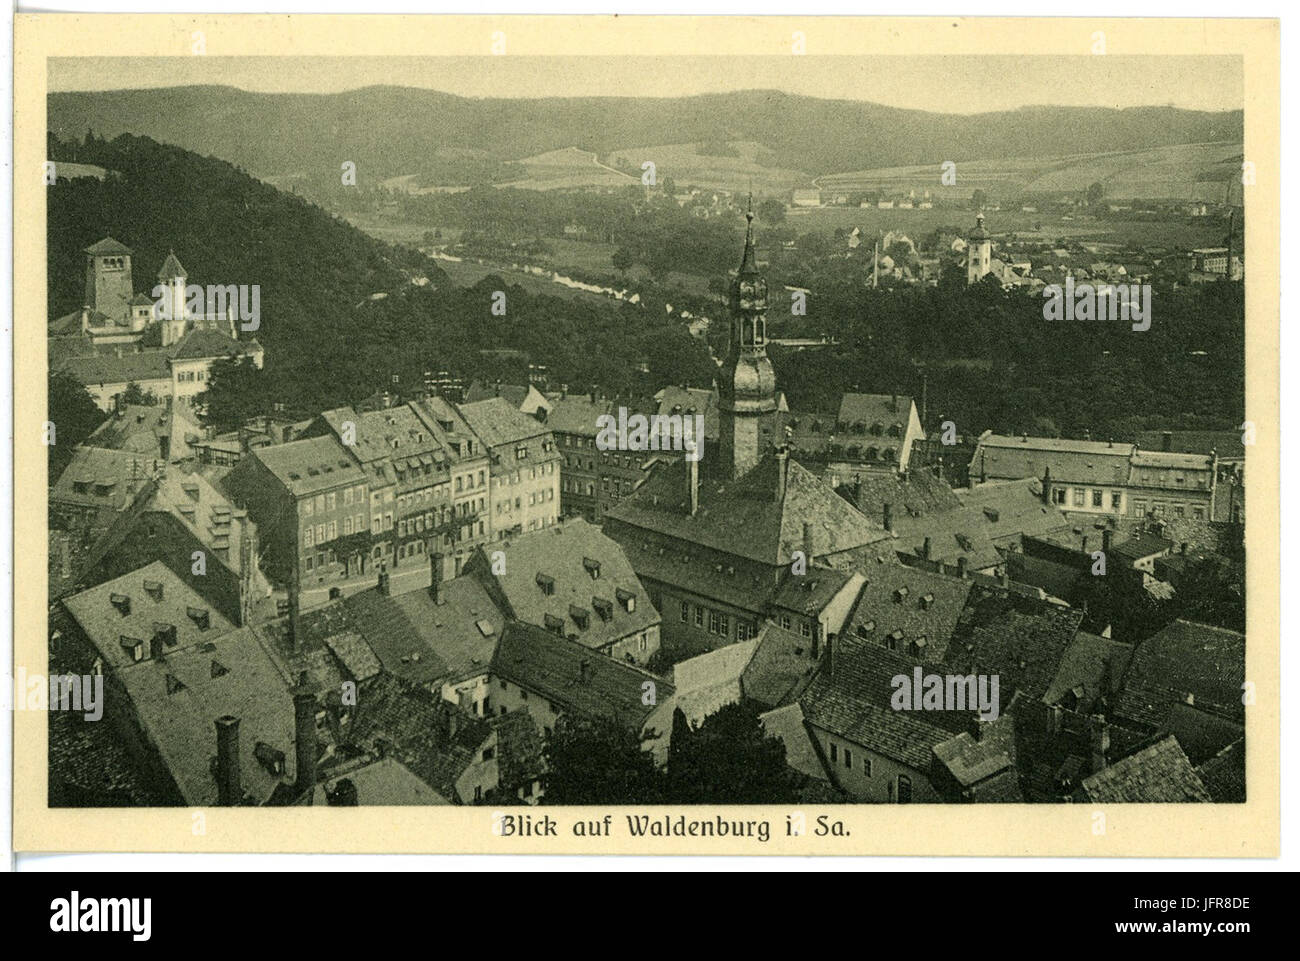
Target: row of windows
534, 498
189, 376
805, 625
1084, 497
718, 622
1160, 508
847, 754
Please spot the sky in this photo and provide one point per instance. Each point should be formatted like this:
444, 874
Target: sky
966, 84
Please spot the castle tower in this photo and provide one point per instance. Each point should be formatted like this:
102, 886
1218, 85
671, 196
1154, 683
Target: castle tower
979, 252
747, 383
172, 279
108, 278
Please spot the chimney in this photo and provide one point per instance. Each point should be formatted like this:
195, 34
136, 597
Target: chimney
782, 464
889, 517
435, 575
85, 317
584, 671
1084, 542
304, 734
693, 484
1004, 579
383, 582
228, 791
1047, 485
831, 640
925, 549
807, 542
962, 563
156, 647
1167, 441
1099, 741
1105, 539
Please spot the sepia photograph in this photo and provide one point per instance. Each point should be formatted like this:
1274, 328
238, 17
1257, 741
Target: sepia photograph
672, 447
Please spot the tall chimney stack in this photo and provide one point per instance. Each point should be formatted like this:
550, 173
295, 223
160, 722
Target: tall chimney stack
807, 542
889, 517
228, 791
1047, 485
384, 587
435, 575
782, 465
926, 548
1099, 738
1105, 540
962, 562
304, 734
693, 484
831, 643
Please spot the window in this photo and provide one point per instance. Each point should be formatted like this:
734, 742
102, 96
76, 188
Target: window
699, 617
835, 753
1077, 497
724, 625
785, 622
866, 767
805, 628
1116, 498
307, 508
713, 622
359, 524
1058, 495
307, 539
489, 753
1198, 513
320, 533
1096, 498
686, 611
347, 497
333, 530
320, 503
330, 501
848, 758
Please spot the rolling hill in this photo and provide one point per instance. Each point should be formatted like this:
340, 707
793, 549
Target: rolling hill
393, 131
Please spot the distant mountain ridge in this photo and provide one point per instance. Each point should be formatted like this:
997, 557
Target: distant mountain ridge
392, 131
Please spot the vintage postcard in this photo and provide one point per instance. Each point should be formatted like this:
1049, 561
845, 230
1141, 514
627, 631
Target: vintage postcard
810, 436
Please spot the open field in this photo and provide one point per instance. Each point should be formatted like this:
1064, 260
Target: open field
687, 167
1182, 172
566, 169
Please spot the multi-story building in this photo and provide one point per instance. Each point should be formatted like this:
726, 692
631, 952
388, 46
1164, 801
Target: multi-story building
1102, 479
592, 480
524, 467
311, 503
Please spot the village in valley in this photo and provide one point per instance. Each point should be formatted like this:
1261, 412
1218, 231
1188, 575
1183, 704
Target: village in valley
407, 559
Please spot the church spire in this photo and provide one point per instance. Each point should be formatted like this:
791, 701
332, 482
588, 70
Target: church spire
748, 261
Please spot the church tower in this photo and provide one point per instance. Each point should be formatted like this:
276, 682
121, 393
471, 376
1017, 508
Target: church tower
108, 279
747, 384
979, 252
171, 278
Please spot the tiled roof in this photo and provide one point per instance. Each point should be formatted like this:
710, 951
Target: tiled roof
810, 592
206, 343
107, 247
171, 268
422, 641
552, 666
1020, 639
1091, 667
1142, 546
136, 428
971, 760
139, 605
592, 608
869, 409
385, 781
179, 697
307, 466
776, 674
416, 726
102, 478
915, 602
1200, 734
577, 414
692, 400
1224, 775
743, 517
1159, 774
358, 660
1185, 658
497, 423
1225, 443
1070, 461
852, 700
135, 366
914, 494
1013, 509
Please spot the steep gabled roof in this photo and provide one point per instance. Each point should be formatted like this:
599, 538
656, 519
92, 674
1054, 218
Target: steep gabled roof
1159, 774
107, 248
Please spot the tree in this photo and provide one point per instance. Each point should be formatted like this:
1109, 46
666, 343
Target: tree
1095, 192
598, 761
771, 212
75, 416
978, 199
237, 390
728, 759
137, 396
622, 259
